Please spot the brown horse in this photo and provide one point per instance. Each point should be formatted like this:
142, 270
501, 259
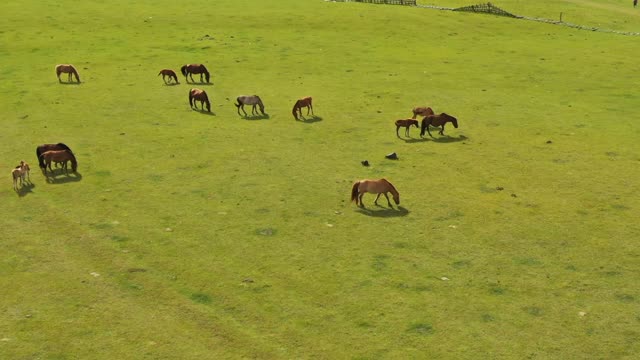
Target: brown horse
190, 69
422, 111
301, 103
380, 186
249, 100
171, 74
20, 172
59, 156
406, 123
199, 95
437, 120
46, 147
69, 69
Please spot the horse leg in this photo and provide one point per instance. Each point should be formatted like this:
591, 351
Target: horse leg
397, 128
253, 110
406, 131
429, 131
377, 197
442, 130
388, 202
360, 198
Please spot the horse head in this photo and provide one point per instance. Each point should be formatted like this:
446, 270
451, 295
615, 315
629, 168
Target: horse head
453, 120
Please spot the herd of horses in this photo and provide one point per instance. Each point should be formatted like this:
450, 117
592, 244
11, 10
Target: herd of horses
60, 154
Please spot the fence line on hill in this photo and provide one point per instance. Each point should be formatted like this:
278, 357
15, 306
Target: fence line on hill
489, 8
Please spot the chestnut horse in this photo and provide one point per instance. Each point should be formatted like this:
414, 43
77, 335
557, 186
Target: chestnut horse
190, 69
170, 73
437, 120
406, 123
20, 172
301, 103
69, 69
199, 95
59, 156
422, 111
46, 147
380, 186
249, 100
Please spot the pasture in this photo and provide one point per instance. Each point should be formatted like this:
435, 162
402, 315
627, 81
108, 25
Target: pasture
195, 235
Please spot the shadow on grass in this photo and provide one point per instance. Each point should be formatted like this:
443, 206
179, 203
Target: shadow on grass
384, 212
256, 117
25, 189
412, 140
199, 83
64, 177
204, 112
69, 83
449, 139
171, 84
310, 120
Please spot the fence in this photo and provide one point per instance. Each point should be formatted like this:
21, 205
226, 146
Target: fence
486, 8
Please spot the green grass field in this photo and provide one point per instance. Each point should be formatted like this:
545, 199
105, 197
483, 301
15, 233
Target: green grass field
186, 235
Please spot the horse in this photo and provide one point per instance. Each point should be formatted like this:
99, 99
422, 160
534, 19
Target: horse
190, 69
422, 111
437, 120
406, 123
249, 100
301, 103
170, 73
69, 69
380, 186
59, 156
46, 147
199, 95
20, 172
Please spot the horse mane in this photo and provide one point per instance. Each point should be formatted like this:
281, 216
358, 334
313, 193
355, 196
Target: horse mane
390, 184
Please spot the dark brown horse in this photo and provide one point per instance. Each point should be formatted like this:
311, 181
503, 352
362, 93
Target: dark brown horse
69, 69
59, 156
46, 147
301, 103
190, 69
199, 95
422, 111
406, 123
169, 73
437, 120
380, 186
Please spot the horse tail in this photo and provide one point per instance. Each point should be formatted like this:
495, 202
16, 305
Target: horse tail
39, 152
183, 70
239, 102
354, 191
190, 97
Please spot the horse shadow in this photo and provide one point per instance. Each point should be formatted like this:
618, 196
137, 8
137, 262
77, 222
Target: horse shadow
70, 177
25, 189
171, 84
310, 120
199, 83
204, 112
257, 117
413, 140
448, 139
384, 212
69, 83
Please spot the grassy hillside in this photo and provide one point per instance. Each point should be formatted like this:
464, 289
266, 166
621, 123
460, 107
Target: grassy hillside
189, 235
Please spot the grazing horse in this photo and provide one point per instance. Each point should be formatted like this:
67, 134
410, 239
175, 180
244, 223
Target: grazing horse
380, 186
406, 123
170, 73
422, 111
301, 103
69, 69
20, 172
46, 147
249, 100
59, 156
190, 69
437, 120
199, 95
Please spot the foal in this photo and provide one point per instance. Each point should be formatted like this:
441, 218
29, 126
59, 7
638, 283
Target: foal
20, 172
171, 74
406, 123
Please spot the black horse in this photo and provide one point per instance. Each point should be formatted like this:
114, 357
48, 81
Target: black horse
46, 147
435, 121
